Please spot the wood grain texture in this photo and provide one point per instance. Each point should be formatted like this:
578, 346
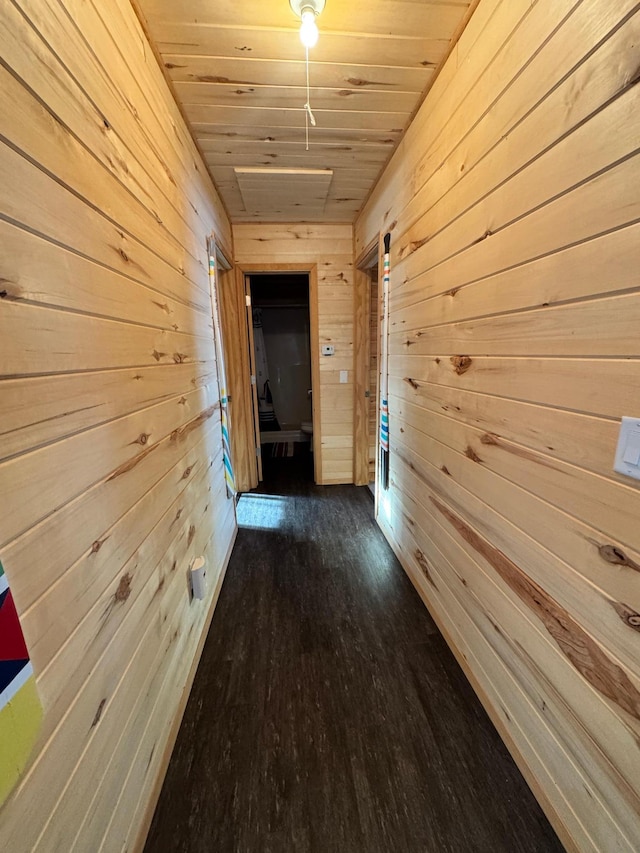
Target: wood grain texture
110, 436
333, 709
328, 248
366, 343
513, 212
514, 75
587, 657
362, 298
235, 334
239, 73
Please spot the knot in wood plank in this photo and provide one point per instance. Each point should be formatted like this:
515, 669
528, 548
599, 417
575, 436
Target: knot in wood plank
471, 454
616, 556
489, 438
461, 363
124, 588
98, 544
421, 560
98, 713
629, 616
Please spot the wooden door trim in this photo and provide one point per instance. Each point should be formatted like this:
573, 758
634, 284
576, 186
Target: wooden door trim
368, 258
233, 318
310, 269
256, 444
235, 325
361, 343
376, 495
234, 333
223, 257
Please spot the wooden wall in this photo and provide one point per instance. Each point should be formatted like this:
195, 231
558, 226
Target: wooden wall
111, 470
514, 350
330, 247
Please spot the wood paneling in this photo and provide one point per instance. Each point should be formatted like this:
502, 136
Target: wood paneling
111, 452
238, 71
513, 207
330, 249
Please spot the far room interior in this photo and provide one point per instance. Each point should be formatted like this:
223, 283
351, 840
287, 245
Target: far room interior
282, 357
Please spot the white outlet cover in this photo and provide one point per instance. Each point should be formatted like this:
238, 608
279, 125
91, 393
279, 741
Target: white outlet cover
627, 459
344, 377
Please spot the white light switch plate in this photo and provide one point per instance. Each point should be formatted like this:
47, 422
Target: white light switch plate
344, 377
628, 450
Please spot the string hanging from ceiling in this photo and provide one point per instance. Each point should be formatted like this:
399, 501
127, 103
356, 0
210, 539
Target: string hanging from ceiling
308, 10
309, 117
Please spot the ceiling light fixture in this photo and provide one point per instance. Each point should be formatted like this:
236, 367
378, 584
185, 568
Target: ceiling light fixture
308, 10
309, 29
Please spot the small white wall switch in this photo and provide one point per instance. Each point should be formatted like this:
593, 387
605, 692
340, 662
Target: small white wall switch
632, 455
628, 450
344, 377
328, 349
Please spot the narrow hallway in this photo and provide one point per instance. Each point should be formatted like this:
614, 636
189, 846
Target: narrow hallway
327, 713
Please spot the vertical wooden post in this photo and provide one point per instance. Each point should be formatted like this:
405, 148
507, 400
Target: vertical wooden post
255, 436
361, 349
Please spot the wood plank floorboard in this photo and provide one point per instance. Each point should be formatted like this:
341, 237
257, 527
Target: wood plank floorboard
328, 714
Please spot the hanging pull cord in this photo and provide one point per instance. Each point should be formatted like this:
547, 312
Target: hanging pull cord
310, 114
309, 117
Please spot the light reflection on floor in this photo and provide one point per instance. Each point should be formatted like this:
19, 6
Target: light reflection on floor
262, 512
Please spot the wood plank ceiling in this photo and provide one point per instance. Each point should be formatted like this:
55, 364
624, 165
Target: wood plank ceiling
238, 71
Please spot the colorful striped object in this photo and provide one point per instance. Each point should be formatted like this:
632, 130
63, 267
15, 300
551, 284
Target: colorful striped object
384, 368
20, 708
222, 380
226, 449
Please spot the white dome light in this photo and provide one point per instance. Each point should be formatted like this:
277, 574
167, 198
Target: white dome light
308, 11
309, 29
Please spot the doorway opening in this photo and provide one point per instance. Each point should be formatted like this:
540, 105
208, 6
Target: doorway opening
280, 352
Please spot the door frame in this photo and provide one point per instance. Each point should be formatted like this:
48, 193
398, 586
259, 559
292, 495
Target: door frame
244, 271
253, 387
232, 318
366, 261
223, 273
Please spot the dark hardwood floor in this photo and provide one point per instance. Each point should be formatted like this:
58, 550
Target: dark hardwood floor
328, 714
